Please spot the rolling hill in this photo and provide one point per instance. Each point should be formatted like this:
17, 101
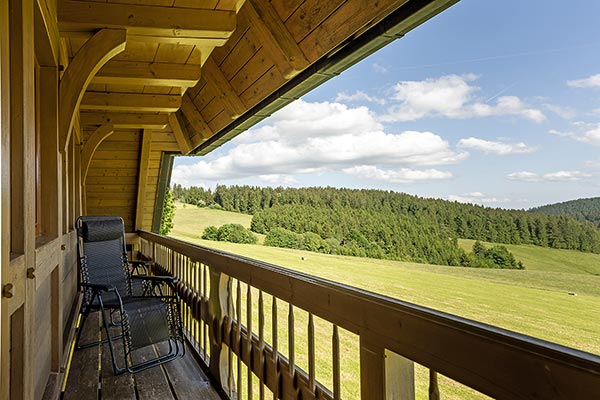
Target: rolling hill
583, 210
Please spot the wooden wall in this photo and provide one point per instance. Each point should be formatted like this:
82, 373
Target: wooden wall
39, 201
115, 171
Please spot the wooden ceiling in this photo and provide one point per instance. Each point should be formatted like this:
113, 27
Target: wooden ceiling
204, 71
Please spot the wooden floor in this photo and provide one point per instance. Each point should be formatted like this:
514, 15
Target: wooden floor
91, 374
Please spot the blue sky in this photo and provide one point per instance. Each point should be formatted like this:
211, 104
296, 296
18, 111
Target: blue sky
491, 102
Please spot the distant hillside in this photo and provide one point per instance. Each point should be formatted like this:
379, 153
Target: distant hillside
385, 224
583, 210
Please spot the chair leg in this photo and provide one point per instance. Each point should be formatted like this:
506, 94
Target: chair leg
85, 313
117, 370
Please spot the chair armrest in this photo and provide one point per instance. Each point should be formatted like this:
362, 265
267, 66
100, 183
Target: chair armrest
98, 287
139, 267
157, 279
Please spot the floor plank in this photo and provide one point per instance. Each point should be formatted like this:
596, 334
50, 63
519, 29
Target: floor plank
188, 379
180, 379
151, 383
82, 380
115, 387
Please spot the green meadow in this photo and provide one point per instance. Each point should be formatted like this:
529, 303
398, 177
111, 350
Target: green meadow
556, 297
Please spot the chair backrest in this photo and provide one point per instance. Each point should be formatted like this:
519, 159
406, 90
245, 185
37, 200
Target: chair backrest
102, 254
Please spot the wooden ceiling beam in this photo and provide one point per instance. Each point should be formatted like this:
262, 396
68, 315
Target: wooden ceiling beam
125, 120
150, 74
194, 117
131, 37
181, 135
288, 56
146, 20
131, 102
214, 76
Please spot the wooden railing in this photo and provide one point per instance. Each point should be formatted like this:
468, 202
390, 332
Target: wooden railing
266, 331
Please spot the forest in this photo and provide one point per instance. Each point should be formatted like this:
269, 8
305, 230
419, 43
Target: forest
391, 225
583, 210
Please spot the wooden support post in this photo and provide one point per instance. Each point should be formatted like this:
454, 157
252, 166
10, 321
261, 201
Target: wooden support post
22, 137
49, 147
399, 377
384, 374
143, 179
103, 46
372, 370
217, 311
5, 273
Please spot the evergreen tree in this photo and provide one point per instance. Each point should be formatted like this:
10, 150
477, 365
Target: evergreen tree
166, 221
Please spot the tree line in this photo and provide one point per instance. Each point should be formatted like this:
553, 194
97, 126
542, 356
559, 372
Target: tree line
583, 210
386, 224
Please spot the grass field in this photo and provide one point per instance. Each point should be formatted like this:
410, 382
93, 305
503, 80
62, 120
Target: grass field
535, 301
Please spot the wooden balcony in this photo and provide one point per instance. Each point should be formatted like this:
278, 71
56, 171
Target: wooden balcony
91, 376
262, 330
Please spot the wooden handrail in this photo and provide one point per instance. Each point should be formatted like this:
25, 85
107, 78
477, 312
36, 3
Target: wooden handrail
493, 361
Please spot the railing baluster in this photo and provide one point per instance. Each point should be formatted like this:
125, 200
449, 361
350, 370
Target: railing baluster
292, 357
274, 346
335, 344
249, 341
261, 344
194, 266
186, 268
204, 326
238, 306
311, 353
434, 391
229, 325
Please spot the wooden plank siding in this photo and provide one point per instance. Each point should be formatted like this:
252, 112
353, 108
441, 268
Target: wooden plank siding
112, 182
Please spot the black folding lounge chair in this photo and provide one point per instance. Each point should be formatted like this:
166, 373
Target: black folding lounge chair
147, 307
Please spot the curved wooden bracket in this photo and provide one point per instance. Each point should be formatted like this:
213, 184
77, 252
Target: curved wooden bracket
90, 146
103, 46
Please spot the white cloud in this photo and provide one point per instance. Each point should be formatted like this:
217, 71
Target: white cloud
524, 176
561, 133
402, 175
563, 112
452, 96
498, 148
561, 176
477, 198
584, 132
595, 164
277, 179
380, 69
591, 135
589, 82
558, 176
309, 137
358, 96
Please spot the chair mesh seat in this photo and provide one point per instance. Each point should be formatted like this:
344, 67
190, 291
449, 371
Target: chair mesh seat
148, 320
